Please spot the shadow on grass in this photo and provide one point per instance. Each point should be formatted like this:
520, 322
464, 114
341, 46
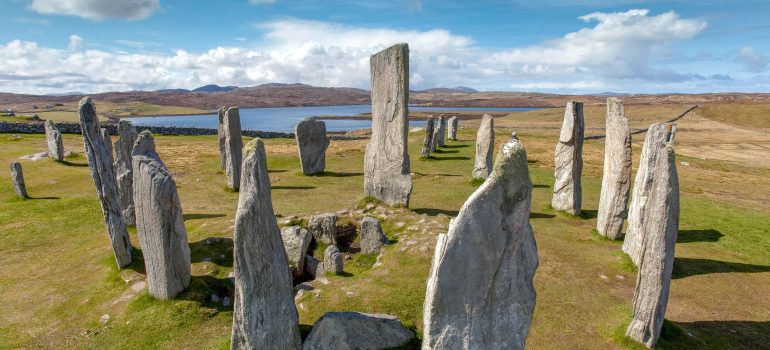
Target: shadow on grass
451, 158
718, 335
202, 288
455, 146
277, 171
541, 216
68, 163
137, 261
533, 161
217, 250
292, 187
686, 267
588, 214
336, 174
444, 151
201, 216
41, 198
450, 175
434, 212
690, 236
540, 186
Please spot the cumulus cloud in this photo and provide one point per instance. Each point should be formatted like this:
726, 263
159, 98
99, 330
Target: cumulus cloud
97, 9
75, 42
752, 60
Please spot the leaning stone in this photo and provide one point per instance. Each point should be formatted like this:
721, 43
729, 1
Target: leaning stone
233, 147
17, 177
656, 262
485, 144
311, 144
354, 330
103, 174
453, 128
386, 163
372, 237
296, 241
221, 137
159, 223
107, 141
264, 315
54, 140
567, 188
616, 179
124, 169
323, 227
480, 293
332, 260
427, 143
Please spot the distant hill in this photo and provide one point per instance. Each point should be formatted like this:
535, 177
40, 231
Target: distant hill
69, 93
214, 88
612, 94
441, 90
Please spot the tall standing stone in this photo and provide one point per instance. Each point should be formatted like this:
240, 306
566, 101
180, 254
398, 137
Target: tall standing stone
233, 147
567, 188
124, 170
107, 141
480, 292
386, 164
221, 137
159, 222
439, 131
656, 263
427, 143
453, 128
616, 179
658, 135
311, 145
17, 177
485, 144
264, 316
54, 140
103, 173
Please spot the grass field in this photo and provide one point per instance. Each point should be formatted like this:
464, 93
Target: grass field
59, 277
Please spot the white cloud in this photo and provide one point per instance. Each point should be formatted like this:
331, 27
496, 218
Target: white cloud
75, 43
752, 60
97, 9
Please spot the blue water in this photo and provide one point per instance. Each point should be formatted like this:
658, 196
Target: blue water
283, 119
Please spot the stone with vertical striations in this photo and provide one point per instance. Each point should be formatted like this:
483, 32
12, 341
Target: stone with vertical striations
453, 128
54, 140
480, 292
372, 237
616, 179
124, 173
108, 142
439, 131
567, 188
103, 174
323, 227
427, 143
386, 163
264, 315
233, 147
332, 260
311, 145
159, 222
296, 241
221, 137
656, 261
354, 330
485, 144
17, 177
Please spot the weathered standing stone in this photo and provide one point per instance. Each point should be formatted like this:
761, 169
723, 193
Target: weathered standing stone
427, 143
107, 141
480, 292
124, 169
264, 315
353, 330
103, 173
54, 140
323, 227
332, 260
567, 188
656, 263
159, 222
453, 128
485, 144
296, 241
233, 147
658, 135
616, 179
17, 177
221, 137
439, 131
386, 163
311, 144
372, 237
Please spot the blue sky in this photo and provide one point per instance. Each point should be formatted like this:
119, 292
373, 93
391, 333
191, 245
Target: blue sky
565, 46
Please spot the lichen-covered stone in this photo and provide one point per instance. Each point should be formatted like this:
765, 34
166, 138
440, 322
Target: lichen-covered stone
332, 262
296, 241
17, 177
485, 144
323, 227
54, 141
353, 330
453, 121
427, 143
567, 188
107, 141
233, 147
616, 179
439, 131
124, 172
311, 145
372, 237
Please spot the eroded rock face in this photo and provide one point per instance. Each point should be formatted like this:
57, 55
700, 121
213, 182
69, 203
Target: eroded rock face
221, 137
427, 143
485, 144
233, 147
264, 315
332, 262
480, 292
296, 241
323, 227
386, 163
616, 179
372, 237
311, 144
124, 170
656, 262
107, 141
453, 122
54, 140
103, 173
353, 330
159, 222
17, 177
567, 188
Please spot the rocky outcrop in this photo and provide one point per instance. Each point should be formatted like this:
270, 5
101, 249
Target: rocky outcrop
386, 162
17, 178
323, 227
485, 144
311, 145
124, 170
264, 315
233, 147
616, 179
567, 188
353, 330
453, 121
54, 140
103, 174
332, 262
372, 237
296, 241
427, 143
221, 137
480, 292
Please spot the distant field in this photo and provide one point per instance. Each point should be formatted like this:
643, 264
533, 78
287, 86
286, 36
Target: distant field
747, 116
67, 112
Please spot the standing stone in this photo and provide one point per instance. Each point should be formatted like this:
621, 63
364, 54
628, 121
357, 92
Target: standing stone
656, 263
323, 227
453, 128
427, 143
485, 144
567, 188
439, 131
480, 292
658, 135
332, 260
17, 177
221, 137
107, 141
616, 180
233, 147
103, 173
54, 140
159, 222
311, 144
296, 241
372, 237
353, 330
386, 164
124, 169
264, 316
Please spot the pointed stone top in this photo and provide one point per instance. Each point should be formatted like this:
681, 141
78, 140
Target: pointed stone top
254, 145
144, 145
87, 111
486, 116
